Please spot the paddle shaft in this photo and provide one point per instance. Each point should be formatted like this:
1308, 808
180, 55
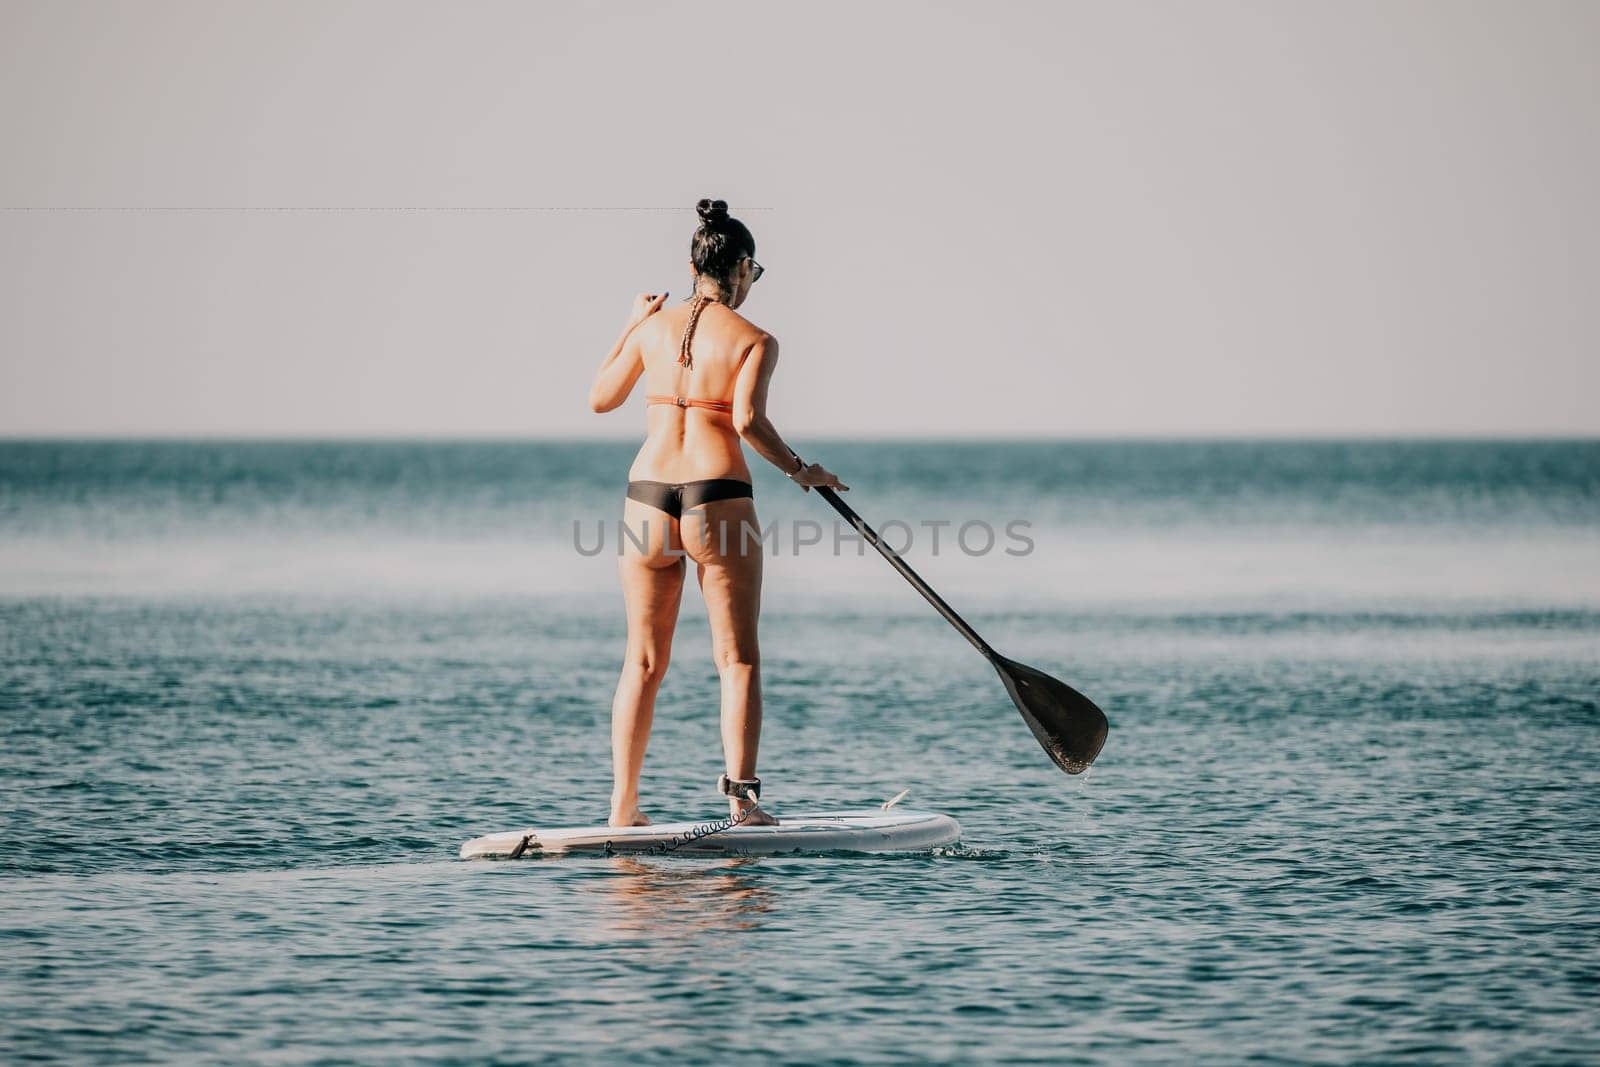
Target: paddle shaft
907, 573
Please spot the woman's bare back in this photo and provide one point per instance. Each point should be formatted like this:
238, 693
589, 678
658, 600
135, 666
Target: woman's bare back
685, 444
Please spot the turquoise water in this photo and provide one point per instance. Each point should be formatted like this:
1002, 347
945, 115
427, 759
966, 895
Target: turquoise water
256, 695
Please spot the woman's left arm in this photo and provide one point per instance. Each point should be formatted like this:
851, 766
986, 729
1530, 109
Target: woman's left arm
623, 366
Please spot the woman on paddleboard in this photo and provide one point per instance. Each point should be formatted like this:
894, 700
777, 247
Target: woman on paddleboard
706, 370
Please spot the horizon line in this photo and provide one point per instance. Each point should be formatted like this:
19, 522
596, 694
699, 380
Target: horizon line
844, 438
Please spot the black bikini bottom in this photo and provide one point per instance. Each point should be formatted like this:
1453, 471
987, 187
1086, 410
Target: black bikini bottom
675, 498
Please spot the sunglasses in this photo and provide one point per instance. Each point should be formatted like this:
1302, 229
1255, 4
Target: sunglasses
759, 269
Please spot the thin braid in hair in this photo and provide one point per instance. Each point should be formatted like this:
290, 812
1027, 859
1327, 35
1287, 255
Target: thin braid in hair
684, 359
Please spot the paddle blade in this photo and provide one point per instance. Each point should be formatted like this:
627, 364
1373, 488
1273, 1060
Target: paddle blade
1064, 721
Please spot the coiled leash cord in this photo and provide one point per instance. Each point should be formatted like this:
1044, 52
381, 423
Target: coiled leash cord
739, 788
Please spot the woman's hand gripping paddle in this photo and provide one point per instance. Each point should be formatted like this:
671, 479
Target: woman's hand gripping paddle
1064, 721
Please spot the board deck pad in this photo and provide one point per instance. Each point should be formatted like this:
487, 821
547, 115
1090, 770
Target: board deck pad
867, 830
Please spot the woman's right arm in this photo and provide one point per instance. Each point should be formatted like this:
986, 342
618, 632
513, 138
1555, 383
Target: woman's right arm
750, 418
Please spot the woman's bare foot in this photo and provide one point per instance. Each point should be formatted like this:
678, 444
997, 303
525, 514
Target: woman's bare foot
627, 815
758, 817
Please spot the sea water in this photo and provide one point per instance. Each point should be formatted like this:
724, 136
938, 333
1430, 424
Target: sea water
254, 695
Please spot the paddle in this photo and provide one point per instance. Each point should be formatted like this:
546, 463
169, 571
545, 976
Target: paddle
1064, 721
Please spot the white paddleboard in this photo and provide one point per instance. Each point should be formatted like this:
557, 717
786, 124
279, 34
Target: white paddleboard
870, 830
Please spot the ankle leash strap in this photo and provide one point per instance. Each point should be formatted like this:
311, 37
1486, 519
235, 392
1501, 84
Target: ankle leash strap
743, 788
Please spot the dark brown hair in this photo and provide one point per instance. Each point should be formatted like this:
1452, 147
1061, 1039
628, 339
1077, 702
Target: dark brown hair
719, 243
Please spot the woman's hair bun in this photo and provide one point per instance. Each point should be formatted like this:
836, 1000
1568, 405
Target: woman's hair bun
719, 242
712, 212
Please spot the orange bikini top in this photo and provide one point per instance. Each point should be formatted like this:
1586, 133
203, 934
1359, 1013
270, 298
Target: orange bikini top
690, 402
684, 360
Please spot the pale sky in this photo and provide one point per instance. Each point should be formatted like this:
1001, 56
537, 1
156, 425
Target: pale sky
1117, 219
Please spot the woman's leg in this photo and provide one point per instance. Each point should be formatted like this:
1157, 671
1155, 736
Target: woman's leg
729, 569
652, 587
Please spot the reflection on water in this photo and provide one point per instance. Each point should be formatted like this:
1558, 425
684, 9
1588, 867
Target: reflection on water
676, 899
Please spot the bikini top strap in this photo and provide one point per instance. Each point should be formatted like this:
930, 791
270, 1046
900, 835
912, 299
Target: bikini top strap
690, 402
